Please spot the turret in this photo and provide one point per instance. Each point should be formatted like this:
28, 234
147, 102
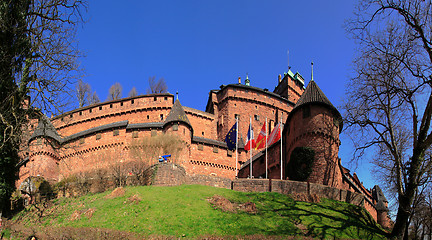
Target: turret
314, 124
43, 145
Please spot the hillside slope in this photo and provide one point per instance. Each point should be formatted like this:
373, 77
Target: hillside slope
193, 211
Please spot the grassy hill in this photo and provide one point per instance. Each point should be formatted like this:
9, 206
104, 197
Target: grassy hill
192, 211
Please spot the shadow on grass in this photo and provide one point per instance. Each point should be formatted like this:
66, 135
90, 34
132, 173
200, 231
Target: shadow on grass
328, 219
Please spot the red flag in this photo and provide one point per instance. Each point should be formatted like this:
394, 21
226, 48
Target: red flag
275, 135
260, 142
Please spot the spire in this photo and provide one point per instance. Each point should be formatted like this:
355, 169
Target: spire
312, 71
177, 95
177, 114
45, 129
247, 81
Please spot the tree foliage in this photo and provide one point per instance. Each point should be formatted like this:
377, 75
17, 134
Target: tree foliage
133, 92
115, 91
83, 93
158, 86
300, 165
38, 58
390, 105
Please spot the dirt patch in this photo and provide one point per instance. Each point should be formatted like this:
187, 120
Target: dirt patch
89, 212
75, 215
219, 202
135, 199
118, 192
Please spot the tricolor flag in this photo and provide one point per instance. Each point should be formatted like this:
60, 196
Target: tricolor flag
250, 142
261, 140
275, 135
231, 137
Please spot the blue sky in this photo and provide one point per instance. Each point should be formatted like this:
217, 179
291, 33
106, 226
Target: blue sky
199, 45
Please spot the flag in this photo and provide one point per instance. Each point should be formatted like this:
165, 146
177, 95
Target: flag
250, 141
275, 135
260, 142
231, 137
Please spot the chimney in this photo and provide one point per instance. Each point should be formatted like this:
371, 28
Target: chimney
239, 80
280, 78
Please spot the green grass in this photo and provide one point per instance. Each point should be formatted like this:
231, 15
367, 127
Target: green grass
184, 211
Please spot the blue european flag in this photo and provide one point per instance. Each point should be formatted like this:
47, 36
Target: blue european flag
231, 137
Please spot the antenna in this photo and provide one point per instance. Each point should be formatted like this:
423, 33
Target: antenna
289, 67
312, 71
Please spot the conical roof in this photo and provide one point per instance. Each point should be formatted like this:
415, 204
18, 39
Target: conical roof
177, 114
314, 95
45, 129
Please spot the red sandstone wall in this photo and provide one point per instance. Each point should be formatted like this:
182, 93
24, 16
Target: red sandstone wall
203, 124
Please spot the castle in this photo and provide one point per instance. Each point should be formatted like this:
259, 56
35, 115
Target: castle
118, 131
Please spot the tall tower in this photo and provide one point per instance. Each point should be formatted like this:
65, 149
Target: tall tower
315, 123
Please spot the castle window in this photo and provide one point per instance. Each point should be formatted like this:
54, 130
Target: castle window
256, 107
71, 115
215, 149
256, 117
200, 147
98, 136
110, 105
82, 140
236, 116
80, 113
161, 117
121, 104
135, 134
235, 105
132, 101
155, 99
153, 132
100, 108
61, 119
175, 127
229, 153
306, 111
90, 110
116, 132
148, 117
203, 133
165, 98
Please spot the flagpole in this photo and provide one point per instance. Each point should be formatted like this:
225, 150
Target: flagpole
280, 129
250, 145
236, 173
266, 151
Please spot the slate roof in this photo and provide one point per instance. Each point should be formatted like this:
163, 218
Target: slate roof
314, 95
144, 125
96, 129
209, 141
177, 114
45, 129
380, 198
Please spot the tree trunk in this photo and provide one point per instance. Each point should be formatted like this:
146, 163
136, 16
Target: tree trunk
401, 218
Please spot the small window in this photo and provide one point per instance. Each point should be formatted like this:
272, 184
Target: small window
235, 104
215, 149
116, 132
71, 115
161, 117
135, 134
203, 133
200, 147
132, 101
256, 107
155, 99
80, 113
121, 104
100, 108
175, 127
90, 110
110, 105
148, 117
165, 98
98, 136
236, 116
256, 117
229, 153
61, 119
153, 133
82, 140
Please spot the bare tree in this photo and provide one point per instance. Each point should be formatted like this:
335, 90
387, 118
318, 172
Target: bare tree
390, 96
38, 58
83, 92
115, 91
133, 92
93, 98
157, 86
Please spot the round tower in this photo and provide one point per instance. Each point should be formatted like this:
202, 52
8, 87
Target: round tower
179, 131
312, 139
43, 145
